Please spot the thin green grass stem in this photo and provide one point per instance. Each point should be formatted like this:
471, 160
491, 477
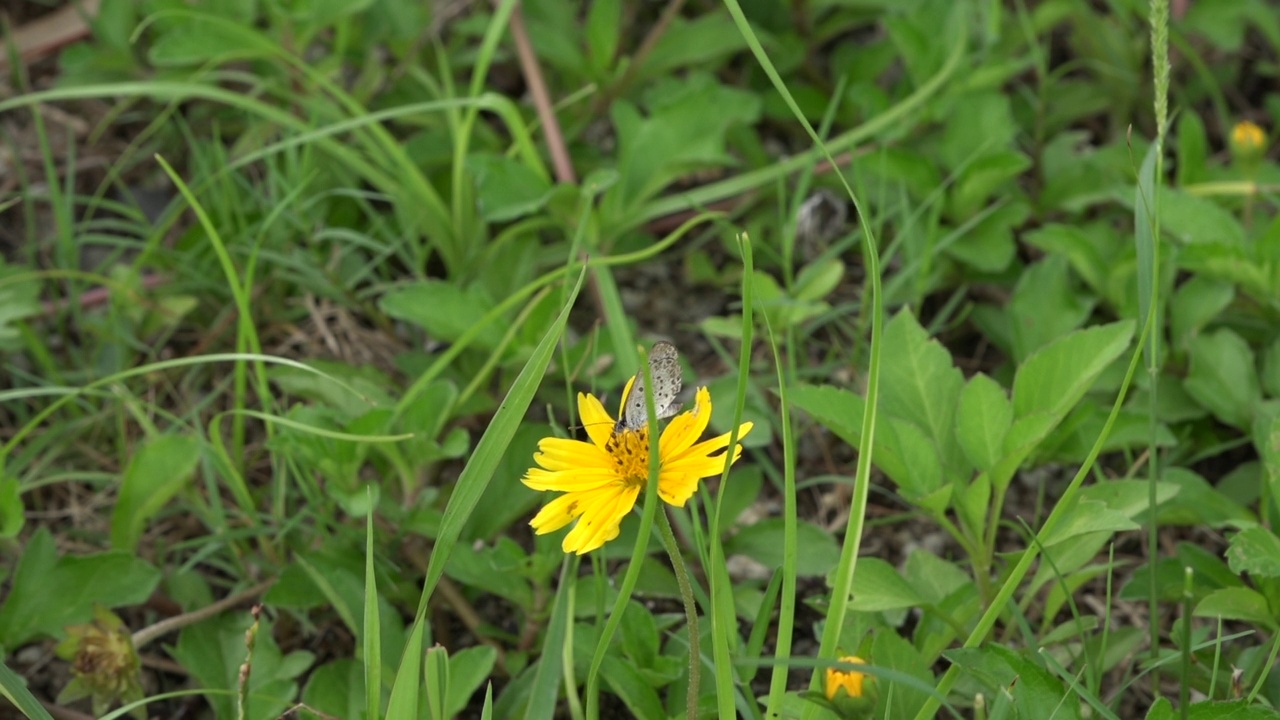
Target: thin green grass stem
723, 614
690, 612
842, 585
790, 551
246, 333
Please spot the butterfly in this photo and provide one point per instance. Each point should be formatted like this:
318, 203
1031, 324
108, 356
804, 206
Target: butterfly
664, 370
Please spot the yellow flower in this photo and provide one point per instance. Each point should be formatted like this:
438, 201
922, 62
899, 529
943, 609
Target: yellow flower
602, 479
850, 681
1247, 138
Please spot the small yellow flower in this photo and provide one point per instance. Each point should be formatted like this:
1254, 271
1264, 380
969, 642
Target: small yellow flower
602, 479
850, 681
1247, 138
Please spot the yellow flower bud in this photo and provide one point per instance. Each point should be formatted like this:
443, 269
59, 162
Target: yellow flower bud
848, 681
1248, 145
1248, 139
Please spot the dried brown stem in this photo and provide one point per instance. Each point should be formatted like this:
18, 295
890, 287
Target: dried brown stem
541, 99
147, 634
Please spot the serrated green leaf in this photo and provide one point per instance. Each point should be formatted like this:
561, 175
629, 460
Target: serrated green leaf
983, 420
922, 386
1054, 379
1223, 377
1255, 550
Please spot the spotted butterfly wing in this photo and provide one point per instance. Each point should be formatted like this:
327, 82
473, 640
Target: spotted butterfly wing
664, 370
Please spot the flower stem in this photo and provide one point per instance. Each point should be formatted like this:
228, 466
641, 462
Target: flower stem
690, 614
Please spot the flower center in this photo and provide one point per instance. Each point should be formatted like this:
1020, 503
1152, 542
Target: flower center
630, 452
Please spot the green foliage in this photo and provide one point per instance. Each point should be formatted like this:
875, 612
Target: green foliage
380, 271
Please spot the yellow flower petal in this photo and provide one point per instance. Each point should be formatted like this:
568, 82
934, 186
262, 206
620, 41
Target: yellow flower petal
602, 514
675, 487
686, 427
565, 454
556, 514
622, 402
568, 480
595, 419
706, 447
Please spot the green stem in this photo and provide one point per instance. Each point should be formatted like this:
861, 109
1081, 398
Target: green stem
690, 614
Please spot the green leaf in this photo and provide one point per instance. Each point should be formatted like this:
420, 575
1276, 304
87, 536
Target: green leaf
1199, 504
989, 245
1266, 438
1090, 249
468, 669
909, 457
546, 678
1161, 709
318, 14
436, 694
685, 129
980, 179
19, 299
762, 542
1193, 148
200, 38
979, 124
1237, 603
1054, 379
406, 696
818, 279
603, 29
111, 579
1037, 693
902, 450
336, 688
922, 386
630, 686
14, 688
1130, 498
932, 577
1223, 378
1271, 369
1196, 303
158, 471
903, 698
1045, 306
213, 652
639, 635
506, 188
877, 587
444, 309
12, 512
983, 420
496, 569
1230, 710
1196, 220
1088, 516
1255, 550
699, 41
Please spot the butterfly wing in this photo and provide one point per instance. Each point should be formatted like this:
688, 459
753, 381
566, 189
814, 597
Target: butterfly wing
664, 370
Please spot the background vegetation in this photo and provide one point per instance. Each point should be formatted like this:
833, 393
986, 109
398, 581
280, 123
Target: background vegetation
290, 289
